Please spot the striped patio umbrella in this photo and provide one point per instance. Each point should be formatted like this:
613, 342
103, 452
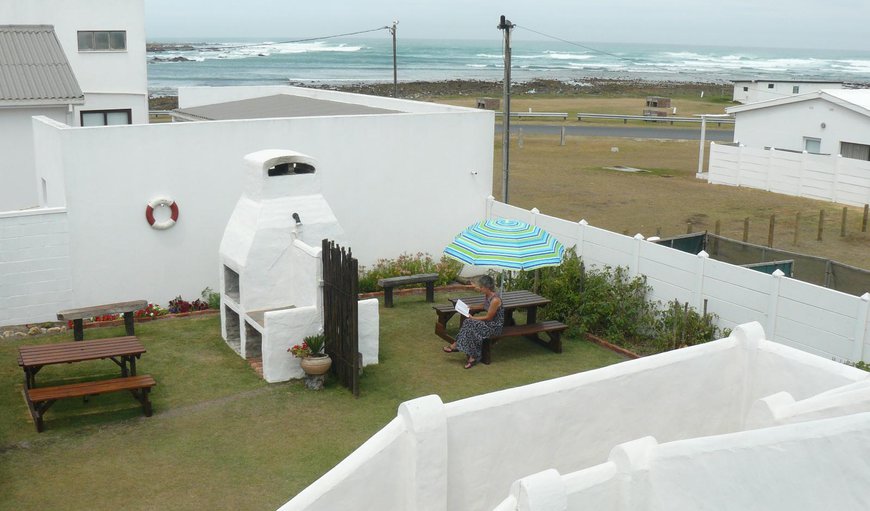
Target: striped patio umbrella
507, 244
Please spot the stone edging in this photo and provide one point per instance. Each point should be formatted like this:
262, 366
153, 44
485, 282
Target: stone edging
612, 347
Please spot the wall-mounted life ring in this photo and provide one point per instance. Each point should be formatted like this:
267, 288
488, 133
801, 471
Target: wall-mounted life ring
161, 201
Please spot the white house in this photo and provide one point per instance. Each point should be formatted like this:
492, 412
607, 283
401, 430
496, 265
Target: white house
93, 51
752, 91
814, 145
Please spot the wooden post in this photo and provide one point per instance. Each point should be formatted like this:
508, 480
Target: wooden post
520, 139
745, 229
688, 227
659, 232
864, 222
562, 137
821, 224
843, 222
797, 227
716, 231
770, 230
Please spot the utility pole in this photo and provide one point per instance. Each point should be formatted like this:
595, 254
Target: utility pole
507, 26
395, 68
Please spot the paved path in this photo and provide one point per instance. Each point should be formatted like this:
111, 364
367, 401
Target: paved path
690, 133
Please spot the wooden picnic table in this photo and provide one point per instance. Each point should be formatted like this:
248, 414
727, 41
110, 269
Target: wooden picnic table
123, 351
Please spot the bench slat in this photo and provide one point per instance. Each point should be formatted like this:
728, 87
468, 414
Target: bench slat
544, 326
99, 310
407, 279
90, 388
45, 354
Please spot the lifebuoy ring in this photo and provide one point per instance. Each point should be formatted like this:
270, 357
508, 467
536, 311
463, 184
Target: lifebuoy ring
166, 224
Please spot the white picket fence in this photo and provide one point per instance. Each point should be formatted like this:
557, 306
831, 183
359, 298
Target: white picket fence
805, 316
816, 176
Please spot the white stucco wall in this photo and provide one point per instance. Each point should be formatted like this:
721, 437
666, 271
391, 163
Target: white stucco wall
111, 79
387, 178
785, 126
465, 454
20, 188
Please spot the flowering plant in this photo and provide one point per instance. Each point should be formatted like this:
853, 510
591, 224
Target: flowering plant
311, 346
150, 311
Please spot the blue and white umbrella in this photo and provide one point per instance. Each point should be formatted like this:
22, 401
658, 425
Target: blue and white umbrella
507, 244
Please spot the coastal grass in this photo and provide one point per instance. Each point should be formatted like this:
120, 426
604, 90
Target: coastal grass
573, 182
222, 438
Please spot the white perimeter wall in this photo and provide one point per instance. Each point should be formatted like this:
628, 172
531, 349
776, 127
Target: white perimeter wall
465, 454
397, 183
35, 276
831, 178
798, 314
785, 126
19, 188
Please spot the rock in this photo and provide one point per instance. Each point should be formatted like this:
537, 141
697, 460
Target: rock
7, 334
34, 330
20, 334
56, 330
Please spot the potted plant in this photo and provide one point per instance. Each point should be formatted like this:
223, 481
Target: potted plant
313, 360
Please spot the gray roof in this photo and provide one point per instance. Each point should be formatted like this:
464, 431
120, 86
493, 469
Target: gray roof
34, 69
279, 105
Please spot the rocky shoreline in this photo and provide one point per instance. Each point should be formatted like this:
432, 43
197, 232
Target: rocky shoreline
481, 88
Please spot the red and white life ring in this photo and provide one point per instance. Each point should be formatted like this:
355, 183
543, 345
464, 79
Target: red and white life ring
165, 224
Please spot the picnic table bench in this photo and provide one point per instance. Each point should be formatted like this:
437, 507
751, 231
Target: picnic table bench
511, 301
78, 315
123, 351
389, 283
39, 400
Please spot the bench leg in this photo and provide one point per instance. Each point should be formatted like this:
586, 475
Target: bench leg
78, 329
388, 297
430, 292
128, 322
486, 351
37, 411
141, 395
555, 341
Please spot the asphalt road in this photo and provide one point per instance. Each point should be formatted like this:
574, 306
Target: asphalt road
691, 133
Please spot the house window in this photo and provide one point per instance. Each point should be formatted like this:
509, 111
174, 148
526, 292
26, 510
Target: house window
812, 145
769, 85
795, 89
745, 89
856, 151
102, 40
106, 117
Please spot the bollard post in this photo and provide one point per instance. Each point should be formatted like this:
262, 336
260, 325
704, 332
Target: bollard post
562, 137
864, 222
797, 227
716, 231
770, 230
520, 139
745, 229
843, 222
688, 227
821, 224
659, 232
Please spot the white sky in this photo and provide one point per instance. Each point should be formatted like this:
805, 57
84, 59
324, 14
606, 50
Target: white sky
773, 23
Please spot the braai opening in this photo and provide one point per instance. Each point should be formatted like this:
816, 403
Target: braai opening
289, 169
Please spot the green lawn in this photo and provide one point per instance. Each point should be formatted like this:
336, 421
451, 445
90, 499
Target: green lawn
221, 437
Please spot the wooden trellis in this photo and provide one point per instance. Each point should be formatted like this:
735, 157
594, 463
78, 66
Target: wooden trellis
340, 313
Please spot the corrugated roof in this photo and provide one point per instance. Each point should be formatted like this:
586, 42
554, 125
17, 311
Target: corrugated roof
34, 69
278, 105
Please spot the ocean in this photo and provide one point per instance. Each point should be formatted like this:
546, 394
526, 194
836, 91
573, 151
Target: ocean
176, 63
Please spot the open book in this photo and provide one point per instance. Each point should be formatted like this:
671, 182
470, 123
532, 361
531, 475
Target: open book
462, 308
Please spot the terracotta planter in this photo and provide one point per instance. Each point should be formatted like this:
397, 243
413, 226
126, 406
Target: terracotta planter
316, 365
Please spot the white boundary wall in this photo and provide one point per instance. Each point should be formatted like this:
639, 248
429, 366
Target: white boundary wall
388, 178
831, 178
812, 318
35, 272
466, 454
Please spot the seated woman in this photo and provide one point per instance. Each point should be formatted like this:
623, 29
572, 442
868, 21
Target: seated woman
474, 330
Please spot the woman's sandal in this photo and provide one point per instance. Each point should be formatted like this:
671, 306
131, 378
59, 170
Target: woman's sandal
470, 363
449, 349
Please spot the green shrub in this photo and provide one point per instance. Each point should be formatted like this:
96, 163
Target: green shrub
406, 264
610, 303
213, 298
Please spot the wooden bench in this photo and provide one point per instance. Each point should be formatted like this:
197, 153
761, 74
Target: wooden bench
78, 315
389, 283
553, 329
40, 399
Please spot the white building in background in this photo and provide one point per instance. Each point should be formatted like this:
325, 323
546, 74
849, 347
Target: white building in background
814, 145
752, 91
79, 62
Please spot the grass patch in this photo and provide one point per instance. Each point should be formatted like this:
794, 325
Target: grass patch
221, 437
